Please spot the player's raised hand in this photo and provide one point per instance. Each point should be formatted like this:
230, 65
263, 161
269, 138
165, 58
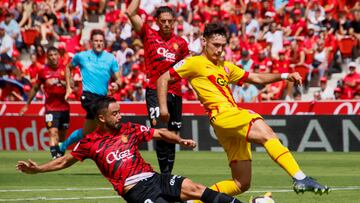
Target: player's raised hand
295, 77
29, 167
164, 115
188, 143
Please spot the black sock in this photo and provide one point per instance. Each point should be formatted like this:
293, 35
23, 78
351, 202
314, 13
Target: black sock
171, 157
162, 155
211, 196
54, 151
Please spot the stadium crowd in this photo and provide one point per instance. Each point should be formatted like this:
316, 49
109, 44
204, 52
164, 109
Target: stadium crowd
314, 37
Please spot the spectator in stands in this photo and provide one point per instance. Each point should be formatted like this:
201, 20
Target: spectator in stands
12, 28
121, 53
274, 36
34, 68
6, 51
250, 24
195, 46
351, 81
320, 60
74, 12
326, 92
245, 62
315, 13
246, 93
298, 25
139, 93
127, 66
329, 22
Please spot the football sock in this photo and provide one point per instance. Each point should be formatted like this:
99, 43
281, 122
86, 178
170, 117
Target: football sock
162, 155
283, 157
210, 196
75, 136
228, 187
171, 156
54, 151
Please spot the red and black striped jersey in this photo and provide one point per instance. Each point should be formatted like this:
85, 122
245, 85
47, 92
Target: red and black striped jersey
54, 88
116, 154
161, 55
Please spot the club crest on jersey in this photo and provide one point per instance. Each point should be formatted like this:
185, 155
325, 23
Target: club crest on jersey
124, 139
175, 46
226, 69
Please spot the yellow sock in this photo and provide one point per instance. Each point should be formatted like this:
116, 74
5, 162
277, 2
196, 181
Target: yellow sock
228, 187
282, 156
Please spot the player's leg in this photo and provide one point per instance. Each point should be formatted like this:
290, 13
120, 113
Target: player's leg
175, 110
52, 120
63, 127
74, 137
161, 147
191, 190
87, 102
262, 134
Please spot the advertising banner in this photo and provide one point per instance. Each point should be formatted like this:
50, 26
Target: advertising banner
298, 133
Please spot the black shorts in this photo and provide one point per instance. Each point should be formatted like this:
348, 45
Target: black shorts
57, 119
174, 103
160, 188
87, 101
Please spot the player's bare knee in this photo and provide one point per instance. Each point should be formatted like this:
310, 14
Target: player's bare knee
190, 189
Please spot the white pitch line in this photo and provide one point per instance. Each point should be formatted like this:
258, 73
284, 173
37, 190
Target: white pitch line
116, 197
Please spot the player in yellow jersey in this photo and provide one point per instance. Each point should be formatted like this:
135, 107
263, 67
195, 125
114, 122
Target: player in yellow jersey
234, 127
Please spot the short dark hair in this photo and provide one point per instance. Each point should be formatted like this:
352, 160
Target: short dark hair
164, 9
50, 49
214, 28
97, 32
101, 104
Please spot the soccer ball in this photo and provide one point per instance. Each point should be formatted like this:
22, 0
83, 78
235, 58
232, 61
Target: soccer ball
267, 198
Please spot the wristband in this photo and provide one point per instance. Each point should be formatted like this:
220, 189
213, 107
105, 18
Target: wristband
284, 76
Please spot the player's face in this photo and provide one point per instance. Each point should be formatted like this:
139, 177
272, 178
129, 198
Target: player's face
214, 47
113, 117
53, 57
98, 43
165, 23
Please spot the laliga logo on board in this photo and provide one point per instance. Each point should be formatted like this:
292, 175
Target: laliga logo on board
166, 53
289, 109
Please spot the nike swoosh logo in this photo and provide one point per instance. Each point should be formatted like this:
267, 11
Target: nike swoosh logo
99, 150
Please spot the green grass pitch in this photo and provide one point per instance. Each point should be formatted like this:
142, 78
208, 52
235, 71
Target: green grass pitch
84, 183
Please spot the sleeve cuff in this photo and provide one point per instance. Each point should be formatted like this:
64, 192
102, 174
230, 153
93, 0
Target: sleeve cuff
174, 74
242, 80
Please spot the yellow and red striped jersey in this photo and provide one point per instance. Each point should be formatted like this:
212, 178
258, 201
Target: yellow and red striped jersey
210, 81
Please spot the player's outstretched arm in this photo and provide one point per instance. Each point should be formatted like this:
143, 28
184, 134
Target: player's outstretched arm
32, 167
132, 13
171, 137
265, 78
32, 94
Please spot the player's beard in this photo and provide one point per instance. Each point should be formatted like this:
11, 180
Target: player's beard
114, 126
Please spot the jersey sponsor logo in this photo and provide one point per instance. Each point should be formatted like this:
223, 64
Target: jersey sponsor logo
166, 53
172, 180
221, 82
117, 156
144, 128
179, 64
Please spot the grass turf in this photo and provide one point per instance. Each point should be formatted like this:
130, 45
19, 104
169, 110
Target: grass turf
338, 170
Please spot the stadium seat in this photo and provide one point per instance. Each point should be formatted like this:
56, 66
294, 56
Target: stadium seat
29, 36
345, 46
